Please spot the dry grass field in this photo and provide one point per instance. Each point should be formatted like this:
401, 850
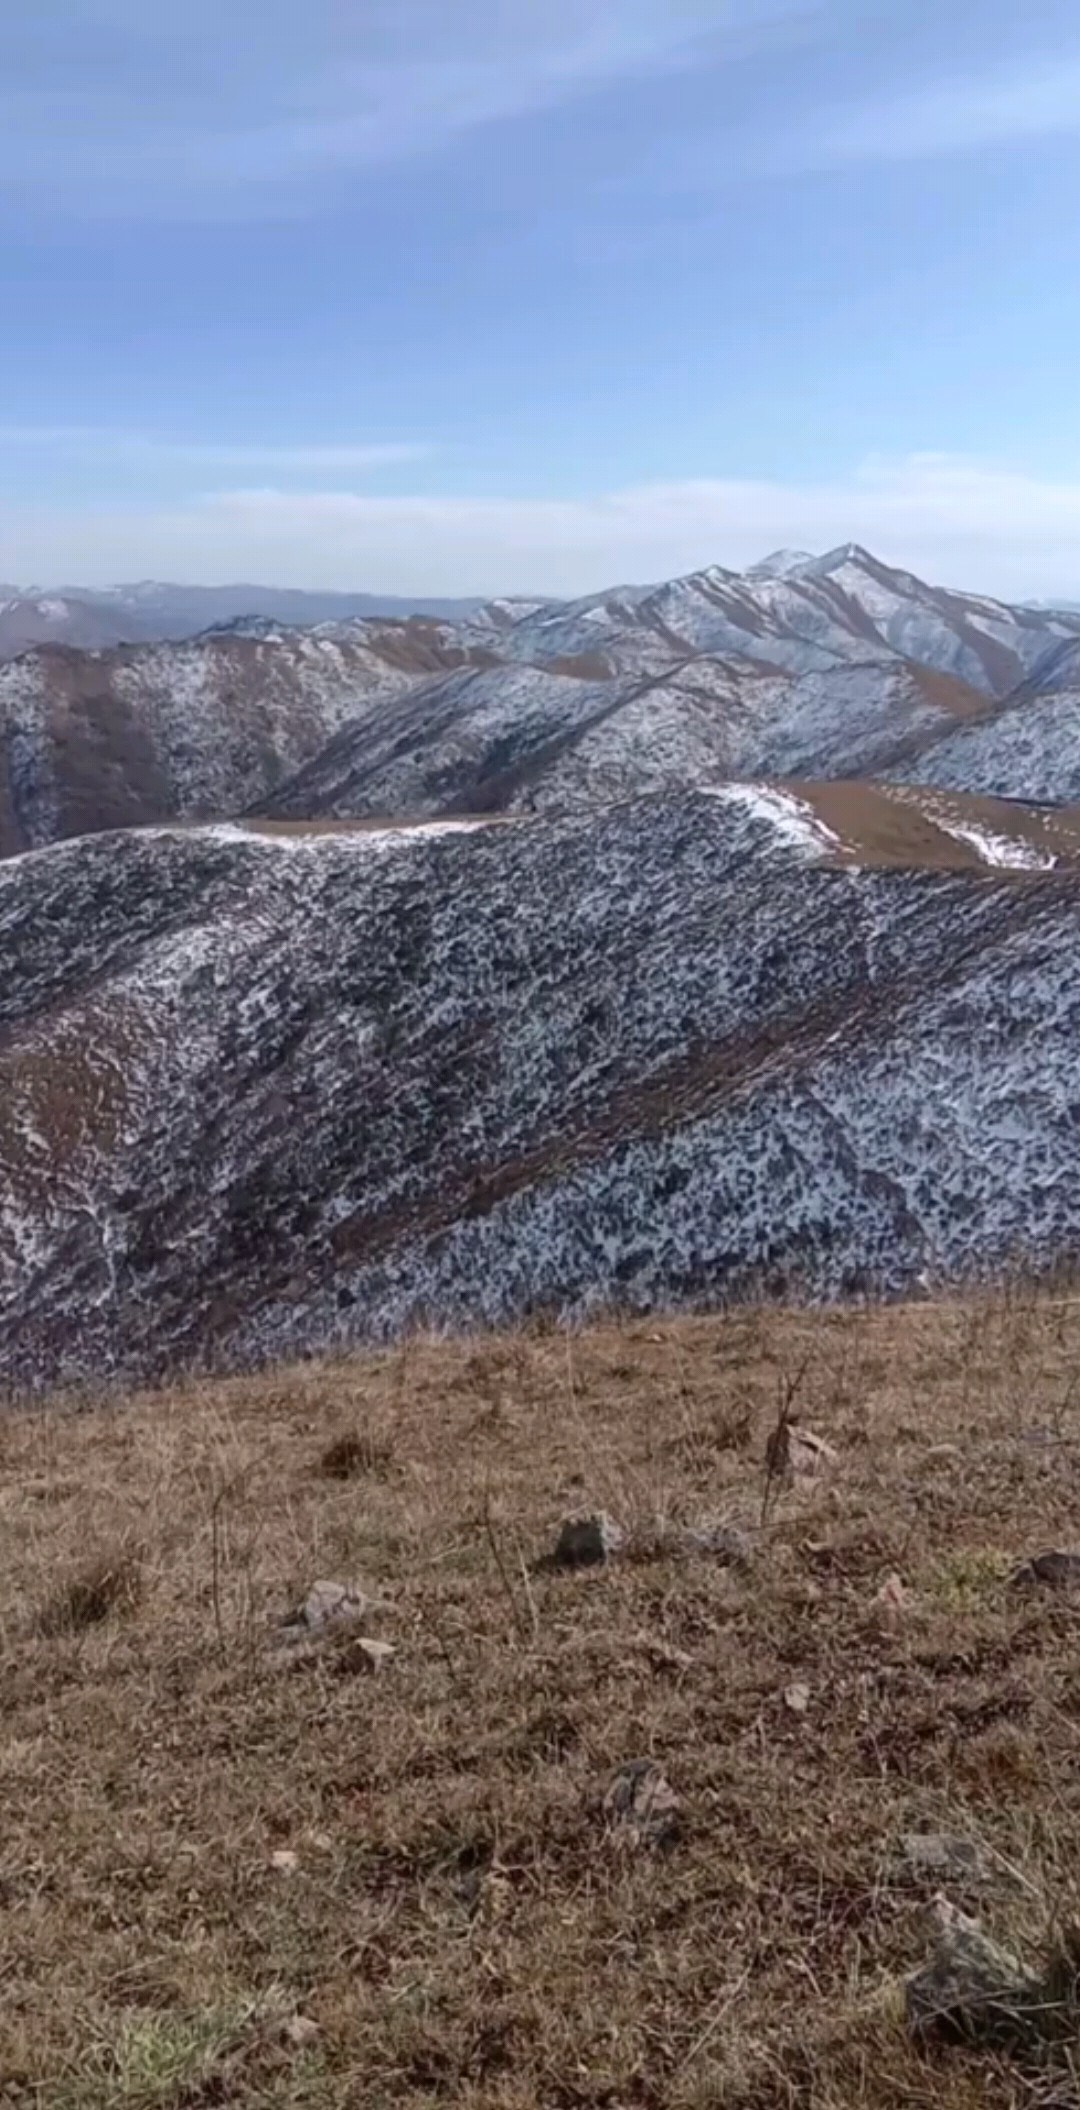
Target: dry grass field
232, 1874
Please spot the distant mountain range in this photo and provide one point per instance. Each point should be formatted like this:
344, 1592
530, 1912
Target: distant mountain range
702, 940
805, 666
154, 611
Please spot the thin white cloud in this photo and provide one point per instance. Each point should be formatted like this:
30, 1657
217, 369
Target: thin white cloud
999, 107
98, 443
957, 521
245, 95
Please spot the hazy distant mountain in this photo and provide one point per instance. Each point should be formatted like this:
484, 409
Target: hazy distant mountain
82, 616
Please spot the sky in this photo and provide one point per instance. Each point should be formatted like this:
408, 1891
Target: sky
538, 296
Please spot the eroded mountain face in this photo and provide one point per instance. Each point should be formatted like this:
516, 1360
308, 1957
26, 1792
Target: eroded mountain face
264, 1093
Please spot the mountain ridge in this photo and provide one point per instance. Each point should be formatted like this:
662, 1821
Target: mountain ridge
833, 665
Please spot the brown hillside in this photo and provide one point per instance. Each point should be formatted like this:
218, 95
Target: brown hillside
222, 1883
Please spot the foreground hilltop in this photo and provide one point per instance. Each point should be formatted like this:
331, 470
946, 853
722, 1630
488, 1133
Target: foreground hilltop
240, 1871
265, 1092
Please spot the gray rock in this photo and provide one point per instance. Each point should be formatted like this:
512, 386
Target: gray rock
726, 1543
587, 1541
1051, 1571
662, 1538
361, 1656
641, 1806
945, 1854
972, 1988
328, 1605
808, 1454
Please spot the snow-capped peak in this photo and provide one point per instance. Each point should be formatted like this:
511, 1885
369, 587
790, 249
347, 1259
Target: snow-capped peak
782, 564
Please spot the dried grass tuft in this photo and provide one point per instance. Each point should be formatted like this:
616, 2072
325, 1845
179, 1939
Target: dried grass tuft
355, 1453
112, 1583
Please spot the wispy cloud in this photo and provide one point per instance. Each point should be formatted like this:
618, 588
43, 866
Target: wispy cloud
251, 94
959, 521
148, 450
956, 116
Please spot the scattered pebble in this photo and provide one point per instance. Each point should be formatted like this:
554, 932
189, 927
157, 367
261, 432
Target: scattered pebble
301, 2031
363, 1656
894, 1595
725, 1542
807, 1453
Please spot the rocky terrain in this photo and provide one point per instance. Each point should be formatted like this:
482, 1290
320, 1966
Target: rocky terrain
521, 738
1027, 746
802, 613
264, 1091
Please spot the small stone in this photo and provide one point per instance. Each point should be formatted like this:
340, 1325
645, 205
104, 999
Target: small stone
726, 1543
641, 1806
364, 1657
587, 1541
1052, 1571
327, 1606
301, 2031
945, 1854
893, 1595
327, 1603
797, 1697
662, 1653
285, 1861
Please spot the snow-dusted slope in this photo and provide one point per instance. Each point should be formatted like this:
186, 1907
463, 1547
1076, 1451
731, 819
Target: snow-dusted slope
92, 740
1029, 747
803, 614
259, 1095
520, 737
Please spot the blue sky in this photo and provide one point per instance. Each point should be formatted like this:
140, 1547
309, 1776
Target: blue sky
440, 296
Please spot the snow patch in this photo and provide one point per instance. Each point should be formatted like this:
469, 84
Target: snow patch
1001, 850
792, 819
